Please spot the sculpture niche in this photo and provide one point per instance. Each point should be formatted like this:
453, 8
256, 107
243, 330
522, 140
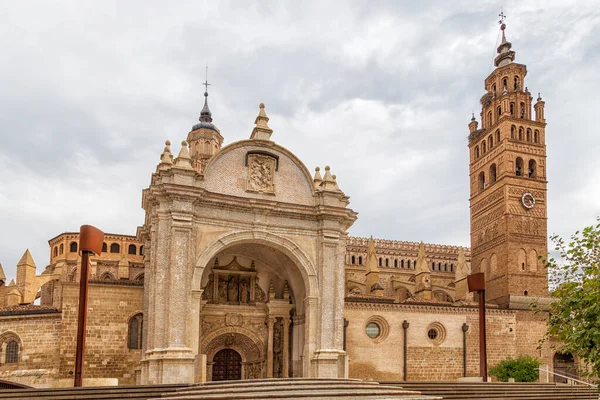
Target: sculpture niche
233, 284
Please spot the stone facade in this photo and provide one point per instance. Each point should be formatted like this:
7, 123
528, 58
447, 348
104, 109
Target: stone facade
243, 268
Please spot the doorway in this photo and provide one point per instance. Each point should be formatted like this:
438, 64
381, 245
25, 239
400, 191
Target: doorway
227, 365
564, 364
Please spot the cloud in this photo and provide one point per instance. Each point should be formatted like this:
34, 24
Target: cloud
381, 91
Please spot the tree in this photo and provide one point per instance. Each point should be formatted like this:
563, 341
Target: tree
521, 369
575, 312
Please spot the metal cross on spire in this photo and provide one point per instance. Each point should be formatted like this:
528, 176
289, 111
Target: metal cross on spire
206, 84
502, 17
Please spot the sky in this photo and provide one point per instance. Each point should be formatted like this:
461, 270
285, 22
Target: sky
381, 91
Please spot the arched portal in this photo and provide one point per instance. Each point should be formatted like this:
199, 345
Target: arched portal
227, 366
564, 364
261, 287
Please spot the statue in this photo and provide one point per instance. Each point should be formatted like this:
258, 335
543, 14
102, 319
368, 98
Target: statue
232, 290
244, 292
222, 291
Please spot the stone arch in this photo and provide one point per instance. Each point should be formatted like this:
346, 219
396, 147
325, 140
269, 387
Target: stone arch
252, 347
7, 337
290, 249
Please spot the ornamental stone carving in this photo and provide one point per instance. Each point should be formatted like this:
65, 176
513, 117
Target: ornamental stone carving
261, 173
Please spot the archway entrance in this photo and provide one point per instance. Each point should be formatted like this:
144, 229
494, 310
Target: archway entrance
564, 364
227, 365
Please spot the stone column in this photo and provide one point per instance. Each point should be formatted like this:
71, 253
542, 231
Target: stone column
285, 371
270, 323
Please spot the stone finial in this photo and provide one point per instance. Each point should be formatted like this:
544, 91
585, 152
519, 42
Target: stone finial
2, 276
422, 264
462, 268
539, 98
271, 290
166, 158
505, 54
371, 256
184, 161
12, 283
317, 179
328, 180
261, 129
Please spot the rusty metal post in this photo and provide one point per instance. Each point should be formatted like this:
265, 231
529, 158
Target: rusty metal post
465, 328
90, 242
405, 326
482, 337
476, 283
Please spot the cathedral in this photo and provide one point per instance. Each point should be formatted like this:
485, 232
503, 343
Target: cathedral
243, 268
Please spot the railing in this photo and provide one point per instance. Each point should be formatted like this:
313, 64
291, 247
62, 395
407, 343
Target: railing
569, 378
12, 385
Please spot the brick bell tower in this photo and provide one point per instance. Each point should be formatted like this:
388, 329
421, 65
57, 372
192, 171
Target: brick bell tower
507, 172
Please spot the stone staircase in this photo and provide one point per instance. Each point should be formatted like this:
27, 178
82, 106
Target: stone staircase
101, 392
501, 391
314, 389
297, 388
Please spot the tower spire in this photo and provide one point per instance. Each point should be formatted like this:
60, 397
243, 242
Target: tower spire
205, 114
505, 54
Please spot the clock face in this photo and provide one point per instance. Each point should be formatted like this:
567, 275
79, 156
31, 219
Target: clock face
528, 200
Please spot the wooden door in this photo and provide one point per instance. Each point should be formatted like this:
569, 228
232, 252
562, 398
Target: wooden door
227, 366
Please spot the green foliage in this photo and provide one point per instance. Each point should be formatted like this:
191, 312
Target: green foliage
575, 312
523, 369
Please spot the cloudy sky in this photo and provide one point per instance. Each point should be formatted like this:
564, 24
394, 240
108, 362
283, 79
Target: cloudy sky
381, 91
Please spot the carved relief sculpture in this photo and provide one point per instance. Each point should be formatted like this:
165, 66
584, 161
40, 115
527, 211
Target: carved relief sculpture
261, 173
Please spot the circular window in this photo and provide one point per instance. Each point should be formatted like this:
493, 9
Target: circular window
377, 328
436, 333
373, 330
432, 334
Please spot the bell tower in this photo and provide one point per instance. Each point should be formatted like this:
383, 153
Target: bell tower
507, 172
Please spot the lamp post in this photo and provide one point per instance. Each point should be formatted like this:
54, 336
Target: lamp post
465, 328
476, 283
90, 242
405, 326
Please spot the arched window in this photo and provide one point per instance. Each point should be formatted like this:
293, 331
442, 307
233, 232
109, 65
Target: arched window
446, 267
107, 276
61, 249
492, 173
387, 262
498, 136
494, 264
140, 278
73, 247
395, 263
134, 334
55, 251
528, 134
483, 149
532, 261
522, 259
532, 169
520, 133
12, 352
481, 181
401, 263
141, 250
490, 142
494, 88
360, 260
451, 267
433, 266
353, 260
115, 248
512, 109
513, 131
519, 167
536, 136
499, 110
522, 111
439, 266
489, 120
133, 250
505, 83
104, 248
476, 152
380, 262
516, 83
